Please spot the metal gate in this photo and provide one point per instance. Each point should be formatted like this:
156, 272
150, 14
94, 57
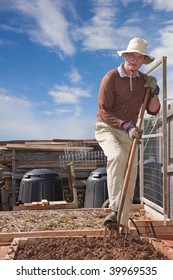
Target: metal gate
153, 149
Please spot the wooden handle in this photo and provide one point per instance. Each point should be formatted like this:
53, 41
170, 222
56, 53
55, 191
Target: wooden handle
131, 158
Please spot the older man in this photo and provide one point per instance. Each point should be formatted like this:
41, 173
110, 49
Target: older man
121, 94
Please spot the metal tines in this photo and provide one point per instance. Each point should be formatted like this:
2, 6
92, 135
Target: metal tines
111, 230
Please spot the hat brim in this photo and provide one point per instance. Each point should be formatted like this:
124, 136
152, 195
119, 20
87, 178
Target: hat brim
148, 58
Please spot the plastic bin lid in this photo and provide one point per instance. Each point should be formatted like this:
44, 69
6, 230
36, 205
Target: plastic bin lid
99, 172
39, 172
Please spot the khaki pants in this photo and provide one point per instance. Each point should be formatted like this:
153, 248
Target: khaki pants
116, 146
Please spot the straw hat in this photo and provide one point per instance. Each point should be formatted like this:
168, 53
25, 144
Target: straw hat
140, 46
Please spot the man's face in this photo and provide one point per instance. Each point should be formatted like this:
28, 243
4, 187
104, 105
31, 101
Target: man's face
134, 60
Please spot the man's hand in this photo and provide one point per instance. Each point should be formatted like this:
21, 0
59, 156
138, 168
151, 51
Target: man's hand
151, 83
132, 131
135, 133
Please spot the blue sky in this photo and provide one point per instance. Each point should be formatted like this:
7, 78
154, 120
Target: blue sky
54, 53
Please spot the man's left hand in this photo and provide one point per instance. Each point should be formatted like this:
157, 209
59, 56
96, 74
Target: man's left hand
151, 83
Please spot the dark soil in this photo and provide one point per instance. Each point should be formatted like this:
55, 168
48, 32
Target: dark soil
89, 248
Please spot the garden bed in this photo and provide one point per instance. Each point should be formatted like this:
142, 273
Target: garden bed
59, 219
69, 231
85, 248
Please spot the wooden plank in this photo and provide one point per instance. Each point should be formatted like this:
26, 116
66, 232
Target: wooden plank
159, 245
170, 168
37, 165
7, 237
55, 147
40, 156
138, 207
46, 142
157, 223
147, 231
44, 202
152, 227
41, 206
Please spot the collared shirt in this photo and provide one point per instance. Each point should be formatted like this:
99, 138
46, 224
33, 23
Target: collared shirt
117, 103
122, 73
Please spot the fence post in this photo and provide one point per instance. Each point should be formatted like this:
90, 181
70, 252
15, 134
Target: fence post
164, 127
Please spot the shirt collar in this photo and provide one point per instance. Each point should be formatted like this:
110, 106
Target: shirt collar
122, 73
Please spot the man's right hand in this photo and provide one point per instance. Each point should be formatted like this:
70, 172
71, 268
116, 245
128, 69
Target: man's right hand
135, 133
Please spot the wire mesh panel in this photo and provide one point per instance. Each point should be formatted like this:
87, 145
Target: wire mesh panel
81, 155
153, 182
152, 172
153, 151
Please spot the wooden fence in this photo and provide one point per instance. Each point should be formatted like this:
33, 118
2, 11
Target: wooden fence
19, 157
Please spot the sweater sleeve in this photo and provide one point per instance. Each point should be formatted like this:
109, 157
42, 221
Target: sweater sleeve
106, 101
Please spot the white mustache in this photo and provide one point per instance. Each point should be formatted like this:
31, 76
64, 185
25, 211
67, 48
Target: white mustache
134, 64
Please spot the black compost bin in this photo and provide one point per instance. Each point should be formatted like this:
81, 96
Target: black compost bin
96, 189
39, 184
96, 193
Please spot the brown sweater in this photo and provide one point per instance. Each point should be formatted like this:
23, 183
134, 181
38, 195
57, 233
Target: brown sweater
116, 103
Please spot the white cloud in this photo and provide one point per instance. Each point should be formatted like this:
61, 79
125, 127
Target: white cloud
59, 111
167, 22
53, 28
165, 44
77, 112
9, 28
127, 2
74, 75
4, 42
133, 20
21, 120
68, 95
17, 116
103, 31
10, 102
166, 5
73, 111
47, 24
99, 31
